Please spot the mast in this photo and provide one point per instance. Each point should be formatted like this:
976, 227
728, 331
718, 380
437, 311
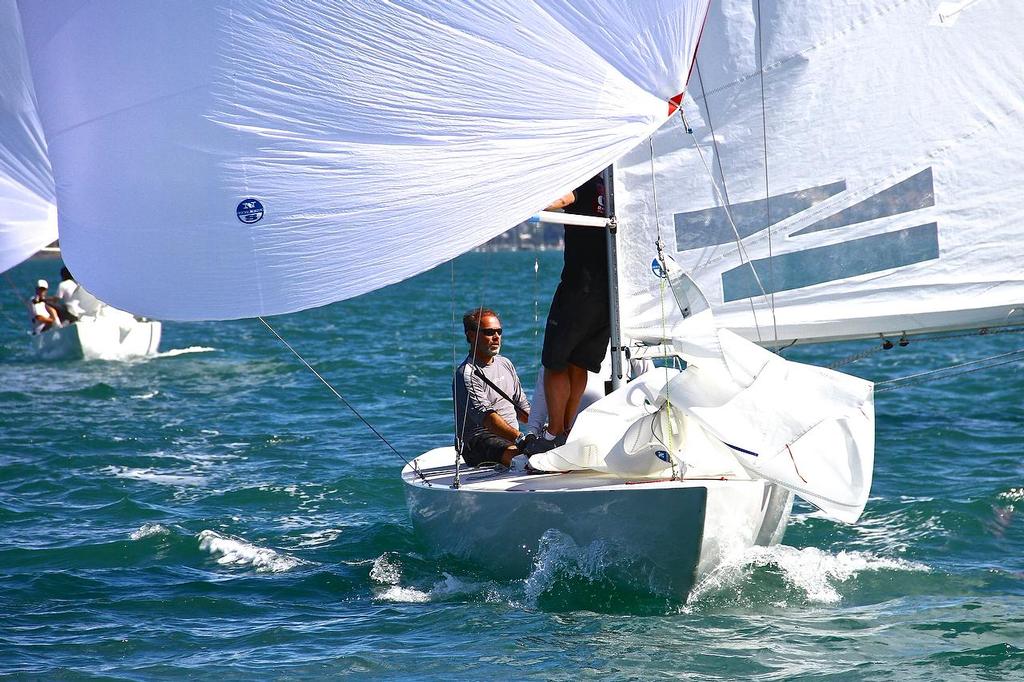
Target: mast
613, 278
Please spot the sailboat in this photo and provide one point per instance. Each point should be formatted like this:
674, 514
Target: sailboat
28, 216
803, 177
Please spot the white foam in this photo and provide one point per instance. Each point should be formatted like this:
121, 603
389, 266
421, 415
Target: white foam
145, 396
404, 594
184, 351
320, 537
1012, 495
814, 572
236, 552
558, 554
386, 570
149, 530
153, 476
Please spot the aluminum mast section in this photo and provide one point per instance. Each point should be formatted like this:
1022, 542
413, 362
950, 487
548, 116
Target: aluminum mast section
613, 277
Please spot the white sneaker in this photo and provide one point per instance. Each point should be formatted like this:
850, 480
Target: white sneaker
519, 463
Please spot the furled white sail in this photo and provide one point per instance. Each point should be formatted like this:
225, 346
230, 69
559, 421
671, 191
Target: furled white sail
28, 219
871, 162
806, 428
232, 159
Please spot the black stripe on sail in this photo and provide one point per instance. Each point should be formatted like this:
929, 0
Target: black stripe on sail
744, 451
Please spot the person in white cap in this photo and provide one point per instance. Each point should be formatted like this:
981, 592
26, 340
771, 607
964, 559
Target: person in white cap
44, 315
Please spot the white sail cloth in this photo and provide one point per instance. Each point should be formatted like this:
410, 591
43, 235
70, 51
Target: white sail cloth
806, 428
880, 141
28, 218
302, 153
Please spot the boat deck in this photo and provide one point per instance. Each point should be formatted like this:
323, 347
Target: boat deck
438, 469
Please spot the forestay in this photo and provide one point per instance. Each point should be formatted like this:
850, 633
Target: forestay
232, 159
870, 160
28, 219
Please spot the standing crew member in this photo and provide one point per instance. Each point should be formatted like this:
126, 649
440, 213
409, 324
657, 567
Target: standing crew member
579, 325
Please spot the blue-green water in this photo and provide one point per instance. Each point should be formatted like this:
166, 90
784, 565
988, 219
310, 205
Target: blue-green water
218, 513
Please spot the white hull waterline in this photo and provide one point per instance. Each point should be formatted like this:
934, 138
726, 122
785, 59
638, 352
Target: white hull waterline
101, 337
670, 534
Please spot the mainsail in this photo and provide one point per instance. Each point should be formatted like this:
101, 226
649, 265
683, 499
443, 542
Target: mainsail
302, 153
28, 219
869, 156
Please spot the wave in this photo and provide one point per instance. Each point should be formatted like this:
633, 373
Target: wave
149, 530
230, 551
387, 571
174, 352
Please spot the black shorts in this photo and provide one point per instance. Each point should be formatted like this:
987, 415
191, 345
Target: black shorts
578, 328
484, 448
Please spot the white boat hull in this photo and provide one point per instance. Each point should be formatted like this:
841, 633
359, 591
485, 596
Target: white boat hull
670, 533
99, 338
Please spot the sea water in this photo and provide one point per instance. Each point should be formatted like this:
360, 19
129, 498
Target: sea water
216, 512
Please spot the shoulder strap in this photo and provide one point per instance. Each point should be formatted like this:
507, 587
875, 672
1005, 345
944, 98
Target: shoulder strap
476, 370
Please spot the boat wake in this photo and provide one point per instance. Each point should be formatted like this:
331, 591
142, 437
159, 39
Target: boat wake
174, 352
386, 573
781, 575
230, 551
568, 576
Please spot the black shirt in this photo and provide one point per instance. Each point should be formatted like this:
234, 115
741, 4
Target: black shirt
586, 249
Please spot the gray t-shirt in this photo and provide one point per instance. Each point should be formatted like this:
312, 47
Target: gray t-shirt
474, 398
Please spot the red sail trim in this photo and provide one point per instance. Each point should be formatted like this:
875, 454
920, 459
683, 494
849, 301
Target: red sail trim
675, 102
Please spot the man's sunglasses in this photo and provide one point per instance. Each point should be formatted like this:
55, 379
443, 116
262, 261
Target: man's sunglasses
490, 332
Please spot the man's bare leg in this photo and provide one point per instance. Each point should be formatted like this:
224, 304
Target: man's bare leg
563, 391
577, 385
557, 392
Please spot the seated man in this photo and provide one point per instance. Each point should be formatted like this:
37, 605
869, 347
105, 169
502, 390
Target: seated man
488, 396
44, 315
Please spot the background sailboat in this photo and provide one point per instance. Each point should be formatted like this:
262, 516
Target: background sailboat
28, 216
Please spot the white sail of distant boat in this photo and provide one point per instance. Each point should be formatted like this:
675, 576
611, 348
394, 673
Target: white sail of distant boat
28, 215
309, 154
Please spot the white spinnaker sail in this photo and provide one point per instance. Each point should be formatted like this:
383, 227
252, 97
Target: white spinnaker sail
231, 159
883, 139
28, 219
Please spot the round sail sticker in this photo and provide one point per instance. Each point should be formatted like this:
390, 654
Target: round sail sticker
249, 211
657, 269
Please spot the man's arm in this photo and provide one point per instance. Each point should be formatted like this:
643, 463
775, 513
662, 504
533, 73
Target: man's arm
567, 200
495, 424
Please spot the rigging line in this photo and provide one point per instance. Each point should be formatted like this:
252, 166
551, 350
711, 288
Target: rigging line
455, 356
723, 192
662, 283
732, 223
342, 398
17, 296
457, 482
767, 192
892, 384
